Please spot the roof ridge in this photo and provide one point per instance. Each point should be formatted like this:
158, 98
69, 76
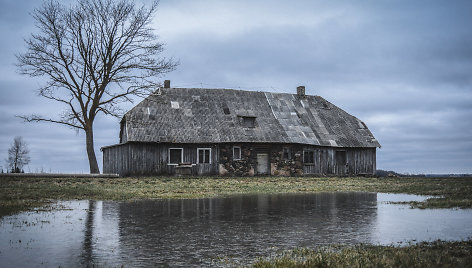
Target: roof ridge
234, 89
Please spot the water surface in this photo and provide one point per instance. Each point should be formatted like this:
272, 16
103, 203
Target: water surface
199, 231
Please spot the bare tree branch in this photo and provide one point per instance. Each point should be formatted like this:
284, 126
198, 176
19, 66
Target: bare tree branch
95, 55
37, 118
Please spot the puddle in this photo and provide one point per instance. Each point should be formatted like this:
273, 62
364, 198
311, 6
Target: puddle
197, 232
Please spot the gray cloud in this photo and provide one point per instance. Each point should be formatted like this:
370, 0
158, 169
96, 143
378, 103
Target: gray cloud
403, 67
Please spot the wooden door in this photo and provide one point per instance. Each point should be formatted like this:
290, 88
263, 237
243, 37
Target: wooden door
263, 163
341, 163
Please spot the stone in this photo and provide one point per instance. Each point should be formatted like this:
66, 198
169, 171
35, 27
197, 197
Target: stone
222, 170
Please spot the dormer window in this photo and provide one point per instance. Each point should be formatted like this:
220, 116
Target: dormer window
248, 121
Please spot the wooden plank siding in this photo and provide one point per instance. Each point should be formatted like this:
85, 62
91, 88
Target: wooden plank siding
115, 159
152, 159
358, 161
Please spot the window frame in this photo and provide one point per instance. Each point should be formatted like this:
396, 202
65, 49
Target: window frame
312, 158
198, 155
240, 153
181, 156
289, 152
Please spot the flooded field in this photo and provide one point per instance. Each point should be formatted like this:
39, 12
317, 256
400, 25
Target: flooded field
205, 231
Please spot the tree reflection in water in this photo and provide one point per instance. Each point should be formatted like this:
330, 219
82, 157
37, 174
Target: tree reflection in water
193, 232
87, 246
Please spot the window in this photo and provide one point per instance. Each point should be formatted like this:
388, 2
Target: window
176, 156
236, 153
308, 157
286, 154
203, 156
249, 121
341, 158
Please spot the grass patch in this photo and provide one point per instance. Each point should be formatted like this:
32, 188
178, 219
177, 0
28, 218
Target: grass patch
426, 254
18, 194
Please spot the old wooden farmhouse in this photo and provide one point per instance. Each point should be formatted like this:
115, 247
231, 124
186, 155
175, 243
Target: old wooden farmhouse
243, 133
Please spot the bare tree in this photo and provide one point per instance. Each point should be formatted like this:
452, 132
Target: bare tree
95, 55
18, 155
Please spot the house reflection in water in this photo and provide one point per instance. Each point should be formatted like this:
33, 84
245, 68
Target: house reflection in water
194, 232
176, 232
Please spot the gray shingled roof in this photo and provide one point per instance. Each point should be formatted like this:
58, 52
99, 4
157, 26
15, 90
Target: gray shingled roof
195, 115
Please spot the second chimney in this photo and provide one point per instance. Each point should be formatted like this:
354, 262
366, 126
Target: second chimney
301, 91
166, 83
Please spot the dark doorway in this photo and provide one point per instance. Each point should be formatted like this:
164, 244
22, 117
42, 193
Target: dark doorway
341, 163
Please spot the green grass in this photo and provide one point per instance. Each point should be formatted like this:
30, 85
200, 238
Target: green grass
434, 254
19, 194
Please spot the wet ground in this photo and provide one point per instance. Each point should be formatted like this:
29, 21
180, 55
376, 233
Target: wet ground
207, 231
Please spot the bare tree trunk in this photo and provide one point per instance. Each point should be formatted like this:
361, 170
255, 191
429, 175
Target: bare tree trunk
95, 55
91, 151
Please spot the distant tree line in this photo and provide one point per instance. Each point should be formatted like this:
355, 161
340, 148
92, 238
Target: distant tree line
390, 173
387, 173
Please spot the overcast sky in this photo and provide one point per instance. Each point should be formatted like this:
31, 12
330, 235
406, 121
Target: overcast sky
403, 67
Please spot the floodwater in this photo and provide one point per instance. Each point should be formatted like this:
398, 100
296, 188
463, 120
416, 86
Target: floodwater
200, 232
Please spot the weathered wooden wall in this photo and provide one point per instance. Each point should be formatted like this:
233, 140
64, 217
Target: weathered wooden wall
359, 161
116, 159
152, 159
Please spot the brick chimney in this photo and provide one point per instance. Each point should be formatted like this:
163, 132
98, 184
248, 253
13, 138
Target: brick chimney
301, 91
166, 83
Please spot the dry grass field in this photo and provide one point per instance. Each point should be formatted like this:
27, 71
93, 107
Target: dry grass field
434, 254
